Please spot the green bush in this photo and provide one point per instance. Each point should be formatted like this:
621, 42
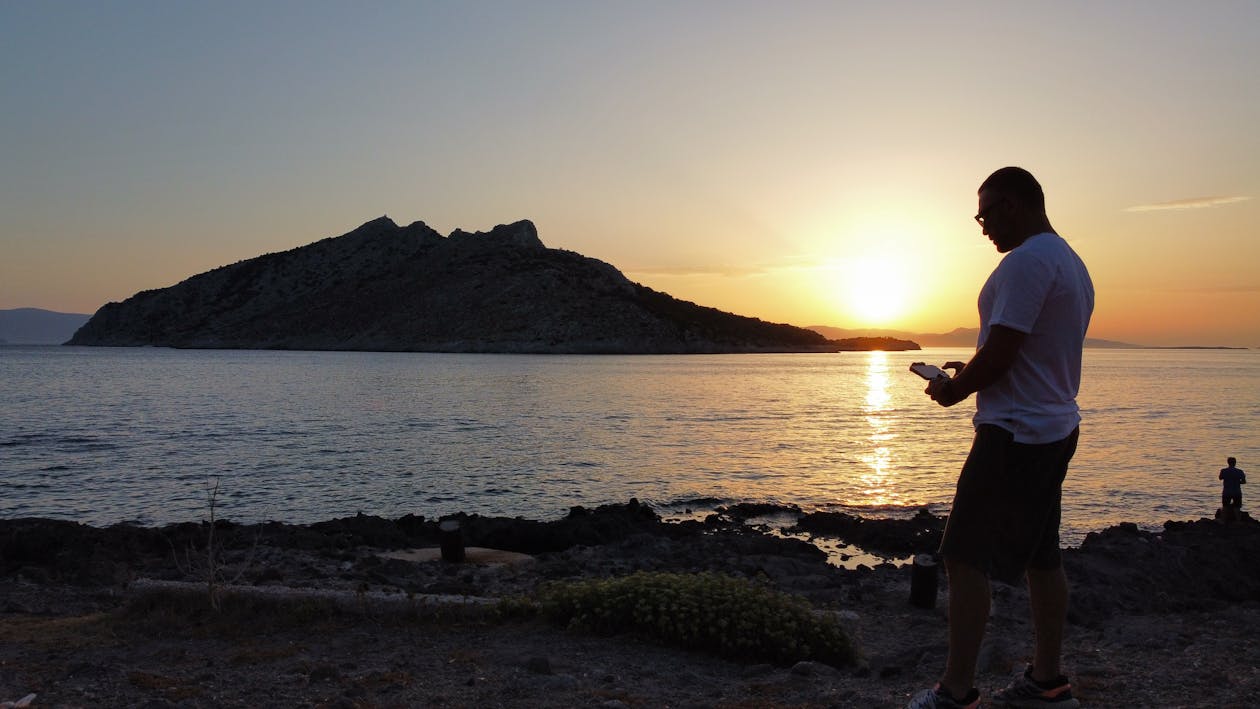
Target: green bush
730, 617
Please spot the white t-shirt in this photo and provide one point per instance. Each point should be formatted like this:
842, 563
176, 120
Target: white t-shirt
1042, 289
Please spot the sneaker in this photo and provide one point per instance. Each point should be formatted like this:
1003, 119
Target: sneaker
938, 698
1026, 693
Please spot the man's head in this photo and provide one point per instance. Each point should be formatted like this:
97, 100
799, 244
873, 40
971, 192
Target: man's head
1231, 461
1012, 207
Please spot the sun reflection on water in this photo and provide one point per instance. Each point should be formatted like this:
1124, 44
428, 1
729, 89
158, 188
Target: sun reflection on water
878, 411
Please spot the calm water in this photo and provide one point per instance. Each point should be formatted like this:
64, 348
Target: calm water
103, 435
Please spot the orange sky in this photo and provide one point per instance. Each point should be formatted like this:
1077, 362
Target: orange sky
813, 164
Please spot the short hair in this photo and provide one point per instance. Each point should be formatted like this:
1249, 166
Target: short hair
1018, 184
1231, 460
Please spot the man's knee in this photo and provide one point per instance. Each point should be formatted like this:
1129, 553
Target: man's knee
964, 572
1053, 578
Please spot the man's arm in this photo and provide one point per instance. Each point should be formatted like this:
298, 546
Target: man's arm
990, 363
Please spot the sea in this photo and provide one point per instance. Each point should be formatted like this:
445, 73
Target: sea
153, 436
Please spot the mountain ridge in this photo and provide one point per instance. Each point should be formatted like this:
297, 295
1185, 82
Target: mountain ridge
958, 337
37, 326
382, 287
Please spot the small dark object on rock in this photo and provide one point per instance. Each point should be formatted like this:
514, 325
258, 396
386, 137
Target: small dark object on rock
539, 665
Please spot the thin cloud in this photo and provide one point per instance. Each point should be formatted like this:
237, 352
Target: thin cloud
1195, 203
1210, 290
724, 270
696, 271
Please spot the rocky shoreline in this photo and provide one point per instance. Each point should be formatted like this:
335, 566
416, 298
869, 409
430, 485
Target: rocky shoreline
1170, 614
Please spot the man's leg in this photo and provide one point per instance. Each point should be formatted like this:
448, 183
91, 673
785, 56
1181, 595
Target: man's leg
1230, 506
968, 614
1048, 597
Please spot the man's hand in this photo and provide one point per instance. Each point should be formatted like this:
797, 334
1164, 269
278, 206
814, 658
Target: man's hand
991, 363
942, 390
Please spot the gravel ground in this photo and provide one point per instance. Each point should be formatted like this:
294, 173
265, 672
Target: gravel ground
79, 631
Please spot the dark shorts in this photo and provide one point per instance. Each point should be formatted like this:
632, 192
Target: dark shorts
1231, 499
1005, 517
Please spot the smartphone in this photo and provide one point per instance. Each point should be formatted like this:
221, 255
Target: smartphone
928, 371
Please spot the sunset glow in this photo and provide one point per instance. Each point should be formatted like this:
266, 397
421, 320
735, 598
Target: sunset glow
816, 166
876, 292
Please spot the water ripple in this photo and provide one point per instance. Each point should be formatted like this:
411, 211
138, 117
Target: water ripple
137, 434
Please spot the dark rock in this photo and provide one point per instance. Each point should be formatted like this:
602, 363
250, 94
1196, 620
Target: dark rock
384, 287
919, 534
760, 669
744, 510
539, 665
269, 575
323, 672
809, 668
1189, 566
560, 683
581, 527
413, 526
366, 530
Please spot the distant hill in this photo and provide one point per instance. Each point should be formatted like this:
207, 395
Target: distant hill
958, 337
33, 326
383, 287
961, 337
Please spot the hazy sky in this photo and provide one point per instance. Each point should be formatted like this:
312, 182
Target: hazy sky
811, 163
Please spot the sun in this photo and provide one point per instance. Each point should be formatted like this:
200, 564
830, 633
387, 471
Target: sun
874, 290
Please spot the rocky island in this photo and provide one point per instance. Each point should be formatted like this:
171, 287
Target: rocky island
382, 287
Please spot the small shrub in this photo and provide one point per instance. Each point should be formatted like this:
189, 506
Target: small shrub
730, 617
516, 608
209, 564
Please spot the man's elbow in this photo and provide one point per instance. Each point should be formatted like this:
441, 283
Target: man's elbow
1003, 345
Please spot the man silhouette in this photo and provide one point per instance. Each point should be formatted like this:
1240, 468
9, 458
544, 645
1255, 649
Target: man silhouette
1004, 523
1232, 479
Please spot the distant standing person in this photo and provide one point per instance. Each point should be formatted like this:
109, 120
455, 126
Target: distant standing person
1232, 479
1004, 523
